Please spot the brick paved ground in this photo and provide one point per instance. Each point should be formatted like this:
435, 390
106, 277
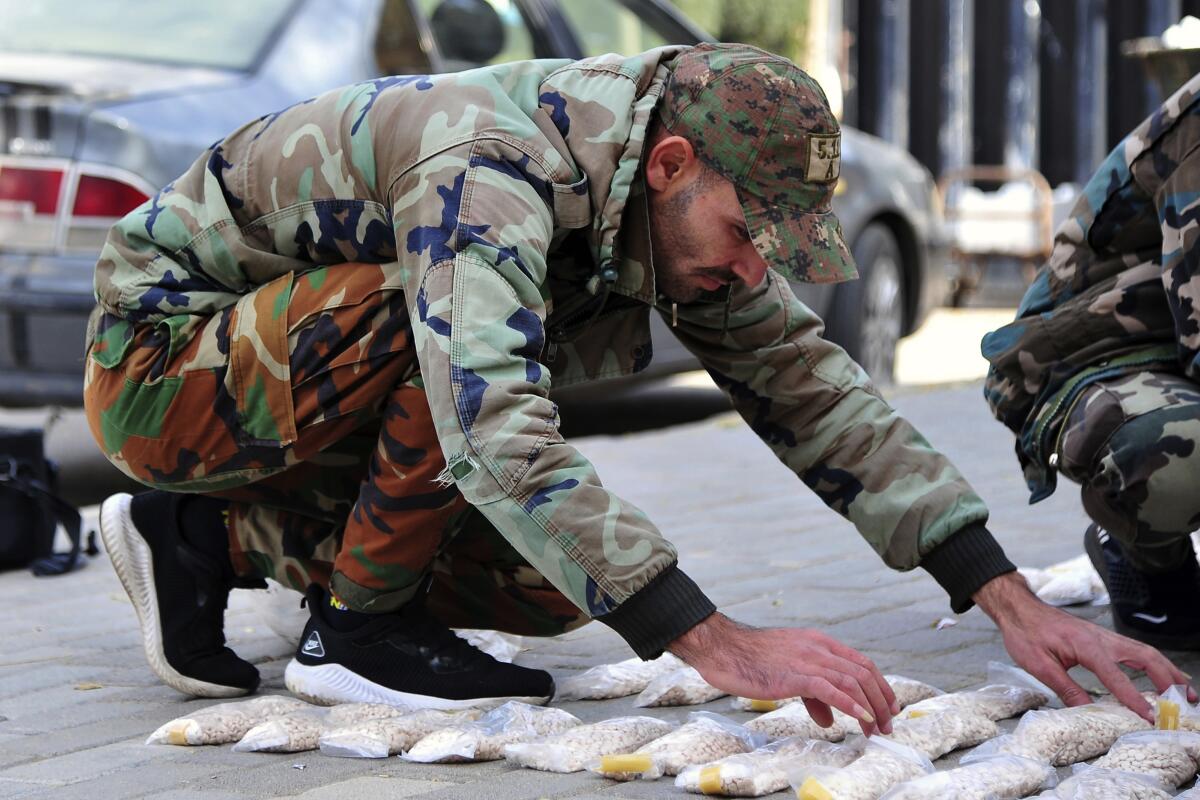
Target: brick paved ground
766, 550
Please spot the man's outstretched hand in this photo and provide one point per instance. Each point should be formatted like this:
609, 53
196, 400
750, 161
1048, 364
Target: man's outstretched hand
1047, 641
773, 663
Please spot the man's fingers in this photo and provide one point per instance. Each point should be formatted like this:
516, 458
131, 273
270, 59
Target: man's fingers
1121, 687
827, 690
879, 705
885, 689
862, 710
1051, 673
1162, 672
819, 711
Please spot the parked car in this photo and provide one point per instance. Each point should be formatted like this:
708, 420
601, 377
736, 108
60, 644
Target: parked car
103, 102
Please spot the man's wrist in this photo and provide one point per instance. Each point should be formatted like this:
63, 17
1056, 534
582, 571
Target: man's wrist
701, 640
1005, 597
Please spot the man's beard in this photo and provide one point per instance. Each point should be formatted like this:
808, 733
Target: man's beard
671, 246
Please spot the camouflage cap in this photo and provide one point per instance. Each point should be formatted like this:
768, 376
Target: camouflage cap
765, 125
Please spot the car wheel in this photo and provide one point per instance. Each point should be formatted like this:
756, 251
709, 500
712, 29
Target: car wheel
867, 315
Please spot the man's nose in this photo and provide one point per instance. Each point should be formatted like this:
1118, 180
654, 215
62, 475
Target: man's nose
751, 269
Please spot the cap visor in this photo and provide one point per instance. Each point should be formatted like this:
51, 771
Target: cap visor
805, 246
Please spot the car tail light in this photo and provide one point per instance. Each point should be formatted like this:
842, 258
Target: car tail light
30, 190
105, 198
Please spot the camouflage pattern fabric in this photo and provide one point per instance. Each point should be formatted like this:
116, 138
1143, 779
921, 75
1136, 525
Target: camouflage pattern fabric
1133, 444
504, 205
1117, 294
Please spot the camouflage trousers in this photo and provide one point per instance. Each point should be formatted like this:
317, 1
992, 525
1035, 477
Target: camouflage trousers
353, 503
1132, 445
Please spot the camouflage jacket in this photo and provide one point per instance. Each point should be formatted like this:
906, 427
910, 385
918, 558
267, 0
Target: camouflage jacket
508, 198
1117, 294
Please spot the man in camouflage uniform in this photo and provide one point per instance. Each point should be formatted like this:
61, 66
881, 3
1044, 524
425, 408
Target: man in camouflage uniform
1097, 376
338, 330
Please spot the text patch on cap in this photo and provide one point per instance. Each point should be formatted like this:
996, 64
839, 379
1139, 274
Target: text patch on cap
824, 158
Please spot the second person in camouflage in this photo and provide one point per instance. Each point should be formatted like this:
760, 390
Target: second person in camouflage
1098, 374
338, 331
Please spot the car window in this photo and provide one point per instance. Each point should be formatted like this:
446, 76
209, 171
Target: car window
474, 33
608, 26
226, 34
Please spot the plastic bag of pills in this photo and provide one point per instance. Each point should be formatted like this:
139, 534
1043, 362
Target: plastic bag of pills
793, 719
882, 765
993, 778
765, 770
485, 738
572, 750
934, 735
290, 733
705, 737
907, 691
224, 722
1171, 757
1107, 784
1173, 712
388, 736
621, 679
1064, 736
682, 687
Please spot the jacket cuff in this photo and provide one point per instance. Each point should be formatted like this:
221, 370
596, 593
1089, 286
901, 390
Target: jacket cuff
667, 607
965, 562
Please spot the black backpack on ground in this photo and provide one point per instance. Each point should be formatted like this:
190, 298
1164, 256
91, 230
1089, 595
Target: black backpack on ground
30, 508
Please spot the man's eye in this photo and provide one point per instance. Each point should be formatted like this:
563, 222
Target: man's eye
742, 233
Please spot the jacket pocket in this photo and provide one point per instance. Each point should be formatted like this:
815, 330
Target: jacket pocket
259, 367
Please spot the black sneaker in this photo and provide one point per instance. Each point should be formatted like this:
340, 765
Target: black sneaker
1160, 609
179, 595
406, 658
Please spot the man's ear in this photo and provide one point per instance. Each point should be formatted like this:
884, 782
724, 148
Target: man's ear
670, 163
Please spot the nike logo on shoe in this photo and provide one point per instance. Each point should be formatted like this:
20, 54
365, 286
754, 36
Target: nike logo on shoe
1151, 619
313, 646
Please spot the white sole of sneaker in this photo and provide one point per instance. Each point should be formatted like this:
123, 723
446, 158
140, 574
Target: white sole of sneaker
132, 561
330, 684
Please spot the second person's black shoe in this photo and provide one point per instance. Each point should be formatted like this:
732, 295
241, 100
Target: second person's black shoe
404, 658
1161, 609
179, 594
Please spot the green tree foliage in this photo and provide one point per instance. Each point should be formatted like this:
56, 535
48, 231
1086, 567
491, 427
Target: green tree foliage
780, 26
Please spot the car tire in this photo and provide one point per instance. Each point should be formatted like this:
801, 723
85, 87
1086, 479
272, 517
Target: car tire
867, 315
